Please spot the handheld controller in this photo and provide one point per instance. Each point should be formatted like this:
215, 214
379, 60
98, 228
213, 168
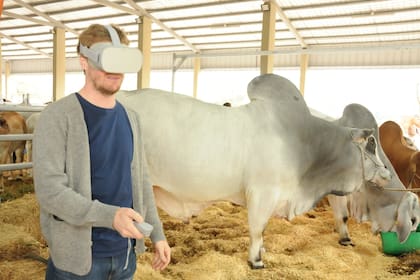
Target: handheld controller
145, 228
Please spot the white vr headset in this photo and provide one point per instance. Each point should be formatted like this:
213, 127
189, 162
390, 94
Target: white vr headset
113, 57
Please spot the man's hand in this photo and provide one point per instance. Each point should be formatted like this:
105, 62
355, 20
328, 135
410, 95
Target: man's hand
123, 223
162, 255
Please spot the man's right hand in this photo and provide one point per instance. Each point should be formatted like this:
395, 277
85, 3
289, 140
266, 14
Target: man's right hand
123, 223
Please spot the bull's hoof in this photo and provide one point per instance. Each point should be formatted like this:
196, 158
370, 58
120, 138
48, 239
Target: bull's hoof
346, 242
257, 265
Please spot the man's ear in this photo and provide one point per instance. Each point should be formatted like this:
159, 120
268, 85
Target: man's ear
83, 63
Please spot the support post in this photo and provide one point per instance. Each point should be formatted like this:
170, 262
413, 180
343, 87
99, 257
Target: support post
145, 46
197, 67
1, 67
59, 63
304, 59
7, 70
268, 37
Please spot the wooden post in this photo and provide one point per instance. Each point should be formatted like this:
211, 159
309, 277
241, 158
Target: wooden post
7, 70
145, 45
1, 66
59, 63
304, 59
268, 37
197, 67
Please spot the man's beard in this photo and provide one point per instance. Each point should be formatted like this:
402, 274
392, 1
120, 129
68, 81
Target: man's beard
106, 91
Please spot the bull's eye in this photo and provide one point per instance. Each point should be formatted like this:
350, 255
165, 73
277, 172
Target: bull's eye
371, 145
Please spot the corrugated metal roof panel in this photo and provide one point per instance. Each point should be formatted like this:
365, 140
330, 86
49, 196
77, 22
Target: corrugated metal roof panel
212, 25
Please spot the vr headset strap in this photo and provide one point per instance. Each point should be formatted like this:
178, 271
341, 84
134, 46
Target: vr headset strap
114, 35
94, 56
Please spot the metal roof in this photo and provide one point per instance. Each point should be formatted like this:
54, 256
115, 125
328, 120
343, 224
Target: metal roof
203, 26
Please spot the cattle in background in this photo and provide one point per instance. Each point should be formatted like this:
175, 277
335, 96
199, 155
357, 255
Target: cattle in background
4, 129
386, 210
30, 126
16, 125
404, 159
410, 143
270, 155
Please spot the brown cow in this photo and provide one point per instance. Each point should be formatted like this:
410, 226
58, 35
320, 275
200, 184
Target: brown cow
4, 129
16, 125
404, 159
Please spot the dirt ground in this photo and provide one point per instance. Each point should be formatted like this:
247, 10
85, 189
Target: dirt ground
213, 246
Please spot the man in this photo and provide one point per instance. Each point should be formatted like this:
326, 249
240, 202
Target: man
90, 172
411, 127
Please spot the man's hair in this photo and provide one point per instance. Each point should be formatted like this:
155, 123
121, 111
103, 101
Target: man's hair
96, 33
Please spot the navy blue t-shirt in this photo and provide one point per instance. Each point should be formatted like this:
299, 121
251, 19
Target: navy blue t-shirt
111, 153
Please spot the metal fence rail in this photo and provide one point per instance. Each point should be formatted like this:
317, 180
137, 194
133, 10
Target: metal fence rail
17, 137
21, 108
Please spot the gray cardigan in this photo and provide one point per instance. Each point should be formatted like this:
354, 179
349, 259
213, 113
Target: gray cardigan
63, 189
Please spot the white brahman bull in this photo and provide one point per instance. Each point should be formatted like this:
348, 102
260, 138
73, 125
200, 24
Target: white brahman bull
270, 155
387, 210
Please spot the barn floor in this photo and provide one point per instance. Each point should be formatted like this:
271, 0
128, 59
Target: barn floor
213, 246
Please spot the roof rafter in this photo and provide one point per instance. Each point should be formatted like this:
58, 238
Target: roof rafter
45, 16
288, 23
34, 20
24, 44
139, 11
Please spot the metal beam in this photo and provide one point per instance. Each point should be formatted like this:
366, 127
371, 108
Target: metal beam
15, 166
309, 50
20, 108
15, 137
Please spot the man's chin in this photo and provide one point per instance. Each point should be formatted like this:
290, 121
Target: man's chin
109, 92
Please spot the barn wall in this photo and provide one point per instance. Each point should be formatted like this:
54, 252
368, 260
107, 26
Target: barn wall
385, 57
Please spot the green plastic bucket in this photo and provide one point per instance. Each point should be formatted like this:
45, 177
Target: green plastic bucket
392, 246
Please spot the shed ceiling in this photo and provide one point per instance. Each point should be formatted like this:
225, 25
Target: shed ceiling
204, 26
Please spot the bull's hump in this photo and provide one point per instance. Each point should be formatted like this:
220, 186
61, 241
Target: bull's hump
278, 90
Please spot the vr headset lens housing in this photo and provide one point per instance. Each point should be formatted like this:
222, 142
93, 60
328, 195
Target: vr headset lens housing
113, 57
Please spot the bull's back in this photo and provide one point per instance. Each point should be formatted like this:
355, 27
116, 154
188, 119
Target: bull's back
190, 143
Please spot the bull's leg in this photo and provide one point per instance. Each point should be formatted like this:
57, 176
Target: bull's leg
358, 206
261, 205
19, 153
341, 216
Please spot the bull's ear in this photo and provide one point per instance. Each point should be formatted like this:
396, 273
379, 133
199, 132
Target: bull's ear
359, 135
404, 222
